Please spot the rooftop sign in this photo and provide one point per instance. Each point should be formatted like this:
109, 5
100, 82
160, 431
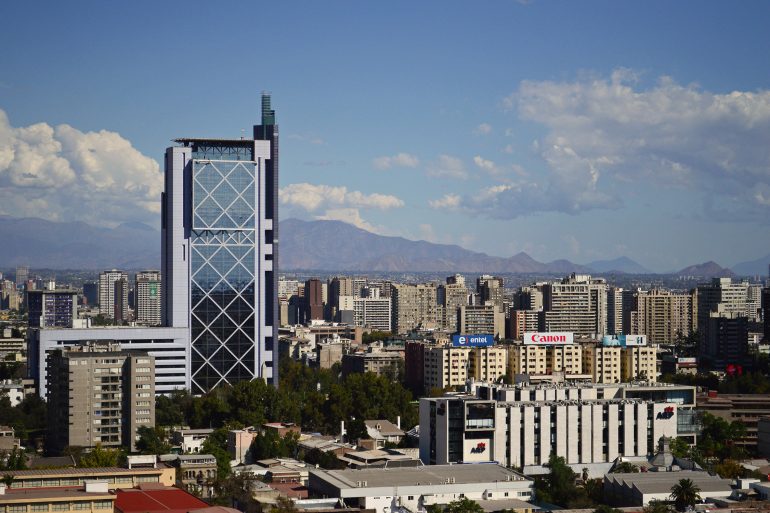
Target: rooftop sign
472, 340
548, 339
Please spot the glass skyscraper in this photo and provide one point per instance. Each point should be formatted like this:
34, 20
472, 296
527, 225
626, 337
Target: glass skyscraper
219, 210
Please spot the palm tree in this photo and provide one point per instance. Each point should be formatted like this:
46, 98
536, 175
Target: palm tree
685, 494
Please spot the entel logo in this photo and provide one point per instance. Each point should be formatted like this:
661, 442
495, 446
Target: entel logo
462, 341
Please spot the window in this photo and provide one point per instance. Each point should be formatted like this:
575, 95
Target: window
40, 507
61, 506
103, 505
16, 508
81, 505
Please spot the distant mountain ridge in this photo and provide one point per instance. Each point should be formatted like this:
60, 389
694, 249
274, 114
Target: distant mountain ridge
320, 245
338, 246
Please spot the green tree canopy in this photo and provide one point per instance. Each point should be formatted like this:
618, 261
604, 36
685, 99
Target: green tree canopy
152, 440
685, 494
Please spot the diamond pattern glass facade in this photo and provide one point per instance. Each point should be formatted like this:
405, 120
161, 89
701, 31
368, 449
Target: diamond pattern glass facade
222, 267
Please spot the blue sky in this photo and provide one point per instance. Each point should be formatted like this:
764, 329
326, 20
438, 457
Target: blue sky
579, 130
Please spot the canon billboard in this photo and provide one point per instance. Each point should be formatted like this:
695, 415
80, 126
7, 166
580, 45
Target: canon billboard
548, 339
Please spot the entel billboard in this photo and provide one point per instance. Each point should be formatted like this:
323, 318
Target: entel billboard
472, 340
548, 339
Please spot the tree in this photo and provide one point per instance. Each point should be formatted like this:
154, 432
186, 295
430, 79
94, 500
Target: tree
657, 507
625, 467
558, 486
284, 505
100, 457
685, 494
729, 469
14, 459
464, 505
152, 440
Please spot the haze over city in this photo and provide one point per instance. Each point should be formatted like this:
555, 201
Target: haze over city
566, 130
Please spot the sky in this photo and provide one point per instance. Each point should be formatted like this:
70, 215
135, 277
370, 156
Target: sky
578, 130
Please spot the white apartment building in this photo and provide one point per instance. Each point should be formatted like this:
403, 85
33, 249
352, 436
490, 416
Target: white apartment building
147, 293
373, 311
107, 291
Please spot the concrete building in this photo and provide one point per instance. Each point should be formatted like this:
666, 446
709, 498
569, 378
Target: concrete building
107, 298
386, 490
639, 362
445, 366
490, 290
147, 295
746, 408
577, 304
723, 322
615, 311
662, 315
372, 311
603, 363
414, 306
488, 363
52, 308
522, 321
168, 346
523, 426
219, 253
486, 319
190, 441
452, 296
329, 353
544, 360
640, 488
313, 308
98, 394
92, 497
383, 363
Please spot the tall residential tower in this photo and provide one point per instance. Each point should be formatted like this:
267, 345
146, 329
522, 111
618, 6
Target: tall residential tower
219, 229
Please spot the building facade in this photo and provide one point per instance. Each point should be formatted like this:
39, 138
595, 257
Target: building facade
663, 316
98, 394
148, 297
578, 304
52, 308
219, 225
486, 319
414, 306
107, 298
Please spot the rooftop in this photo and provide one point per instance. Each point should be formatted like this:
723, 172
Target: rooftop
661, 482
82, 471
158, 500
246, 143
423, 475
26, 494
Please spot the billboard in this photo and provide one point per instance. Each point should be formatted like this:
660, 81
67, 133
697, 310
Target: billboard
473, 340
548, 339
624, 340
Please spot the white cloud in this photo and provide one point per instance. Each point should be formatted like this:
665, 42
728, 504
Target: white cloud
447, 166
350, 216
448, 201
61, 173
313, 198
483, 129
398, 160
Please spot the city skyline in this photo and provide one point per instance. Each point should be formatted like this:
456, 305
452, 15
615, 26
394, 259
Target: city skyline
584, 132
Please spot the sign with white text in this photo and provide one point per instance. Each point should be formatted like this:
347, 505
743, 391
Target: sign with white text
473, 340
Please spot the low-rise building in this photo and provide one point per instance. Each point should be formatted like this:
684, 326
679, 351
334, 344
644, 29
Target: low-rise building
93, 497
383, 431
115, 477
747, 408
384, 490
639, 489
190, 440
382, 363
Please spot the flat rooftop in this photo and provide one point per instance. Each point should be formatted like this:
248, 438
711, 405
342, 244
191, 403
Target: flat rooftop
26, 494
424, 475
661, 482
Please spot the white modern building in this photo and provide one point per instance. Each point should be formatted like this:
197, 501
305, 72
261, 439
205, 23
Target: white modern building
523, 425
168, 346
402, 489
372, 311
107, 293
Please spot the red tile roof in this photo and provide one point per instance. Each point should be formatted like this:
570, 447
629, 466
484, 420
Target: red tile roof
161, 500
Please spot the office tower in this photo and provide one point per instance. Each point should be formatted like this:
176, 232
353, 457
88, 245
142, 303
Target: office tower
22, 275
663, 315
338, 286
723, 322
314, 304
414, 306
91, 293
98, 394
481, 320
107, 298
219, 253
490, 289
52, 308
147, 294
578, 304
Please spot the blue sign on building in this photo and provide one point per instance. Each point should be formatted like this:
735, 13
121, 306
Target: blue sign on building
472, 340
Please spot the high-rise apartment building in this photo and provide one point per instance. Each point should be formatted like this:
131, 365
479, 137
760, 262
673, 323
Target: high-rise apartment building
490, 289
52, 308
314, 302
481, 320
91, 293
522, 321
98, 394
219, 253
414, 306
372, 311
663, 315
107, 299
577, 304
754, 302
147, 292
615, 311
723, 321
451, 297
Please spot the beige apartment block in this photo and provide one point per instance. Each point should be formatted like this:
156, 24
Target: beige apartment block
486, 319
413, 306
542, 360
445, 366
639, 361
488, 363
98, 394
662, 315
602, 363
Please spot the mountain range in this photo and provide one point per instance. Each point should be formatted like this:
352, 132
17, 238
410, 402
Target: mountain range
316, 245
